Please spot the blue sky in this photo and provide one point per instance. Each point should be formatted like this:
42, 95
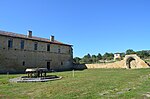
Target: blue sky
91, 26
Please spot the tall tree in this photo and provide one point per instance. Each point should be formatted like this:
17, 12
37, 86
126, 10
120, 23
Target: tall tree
99, 56
143, 54
108, 56
87, 59
130, 51
76, 60
94, 59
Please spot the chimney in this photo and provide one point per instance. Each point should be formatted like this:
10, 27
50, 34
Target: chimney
29, 34
52, 38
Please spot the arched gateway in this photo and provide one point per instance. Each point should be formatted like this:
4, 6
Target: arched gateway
133, 61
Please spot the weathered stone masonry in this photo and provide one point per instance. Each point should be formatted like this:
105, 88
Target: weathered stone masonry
18, 52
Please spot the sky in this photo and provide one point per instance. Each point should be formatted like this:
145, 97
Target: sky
91, 26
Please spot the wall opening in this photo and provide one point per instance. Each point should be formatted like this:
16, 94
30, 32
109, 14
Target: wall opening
23, 63
48, 65
130, 62
61, 63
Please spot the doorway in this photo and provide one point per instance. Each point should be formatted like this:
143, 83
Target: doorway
130, 63
48, 65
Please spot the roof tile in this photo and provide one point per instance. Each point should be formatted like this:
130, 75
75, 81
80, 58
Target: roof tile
11, 34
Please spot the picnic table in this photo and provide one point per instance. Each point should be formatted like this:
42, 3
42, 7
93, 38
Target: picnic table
36, 72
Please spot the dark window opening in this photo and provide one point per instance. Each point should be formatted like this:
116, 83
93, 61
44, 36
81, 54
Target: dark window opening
48, 65
48, 47
61, 63
35, 46
22, 44
23, 63
10, 43
59, 50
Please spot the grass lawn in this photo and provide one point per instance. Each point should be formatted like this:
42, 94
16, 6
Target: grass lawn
86, 84
147, 60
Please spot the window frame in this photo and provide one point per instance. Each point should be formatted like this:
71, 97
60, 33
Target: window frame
48, 47
23, 63
22, 44
59, 50
35, 45
10, 43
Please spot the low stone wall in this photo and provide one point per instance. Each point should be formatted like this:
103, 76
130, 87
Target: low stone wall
106, 65
118, 64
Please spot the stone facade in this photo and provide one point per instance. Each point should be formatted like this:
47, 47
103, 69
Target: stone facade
18, 52
117, 56
133, 61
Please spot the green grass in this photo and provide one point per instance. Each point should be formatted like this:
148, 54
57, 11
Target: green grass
147, 60
86, 84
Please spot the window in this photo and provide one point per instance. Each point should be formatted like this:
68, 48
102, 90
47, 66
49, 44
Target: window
22, 44
48, 65
48, 47
35, 46
61, 63
59, 50
10, 43
23, 63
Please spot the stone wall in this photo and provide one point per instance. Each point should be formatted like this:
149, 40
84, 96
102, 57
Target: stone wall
16, 59
135, 63
119, 64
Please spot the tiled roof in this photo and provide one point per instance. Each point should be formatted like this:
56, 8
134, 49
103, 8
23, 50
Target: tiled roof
11, 34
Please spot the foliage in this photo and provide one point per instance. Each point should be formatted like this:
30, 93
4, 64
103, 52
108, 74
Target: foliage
143, 54
130, 51
108, 56
76, 60
88, 59
99, 56
122, 54
94, 58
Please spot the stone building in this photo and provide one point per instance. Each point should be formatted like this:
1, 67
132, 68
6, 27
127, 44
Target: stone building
117, 56
18, 52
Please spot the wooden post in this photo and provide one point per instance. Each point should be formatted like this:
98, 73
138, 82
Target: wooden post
45, 74
41, 74
73, 72
28, 75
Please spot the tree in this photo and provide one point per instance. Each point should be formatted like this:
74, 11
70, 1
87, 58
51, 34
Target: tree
94, 59
108, 56
130, 51
99, 56
76, 60
88, 55
87, 59
143, 54
122, 54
